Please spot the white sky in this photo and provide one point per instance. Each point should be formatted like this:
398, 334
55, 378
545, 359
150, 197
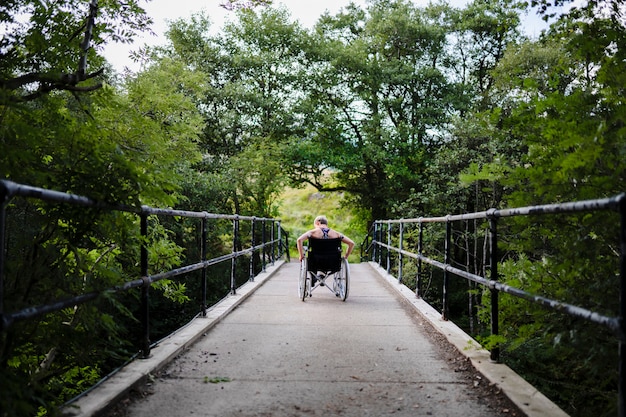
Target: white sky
162, 11
305, 11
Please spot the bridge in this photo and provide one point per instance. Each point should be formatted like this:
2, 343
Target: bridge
264, 352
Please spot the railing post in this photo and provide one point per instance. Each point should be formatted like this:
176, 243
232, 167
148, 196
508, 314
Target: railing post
493, 267
418, 283
203, 258
401, 236
446, 308
4, 200
375, 242
279, 240
252, 242
263, 238
273, 245
388, 246
233, 262
145, 307
622, 315
379, 238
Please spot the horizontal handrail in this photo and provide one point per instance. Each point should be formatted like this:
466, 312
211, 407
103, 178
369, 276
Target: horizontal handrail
610, 203
10, 189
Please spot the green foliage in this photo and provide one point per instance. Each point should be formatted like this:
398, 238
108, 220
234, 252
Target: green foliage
386, 111
127, 147
570, 360
298, 208
546, 129
381, 87
258, 177
47, 48
247, 104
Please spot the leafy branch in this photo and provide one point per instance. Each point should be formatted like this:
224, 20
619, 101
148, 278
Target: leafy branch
50, 81
244, 4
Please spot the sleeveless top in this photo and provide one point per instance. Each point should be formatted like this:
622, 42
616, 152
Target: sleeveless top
325, 231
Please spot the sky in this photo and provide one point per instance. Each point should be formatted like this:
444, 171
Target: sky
306, 12
162, 11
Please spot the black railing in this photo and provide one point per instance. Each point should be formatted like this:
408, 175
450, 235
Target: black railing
378, 247
273, 245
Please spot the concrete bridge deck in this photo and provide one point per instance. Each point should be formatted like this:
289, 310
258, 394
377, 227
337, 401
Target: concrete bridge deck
267, 353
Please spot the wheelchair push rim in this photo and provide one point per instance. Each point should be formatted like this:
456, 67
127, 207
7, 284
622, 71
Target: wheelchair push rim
303, 280
342, 280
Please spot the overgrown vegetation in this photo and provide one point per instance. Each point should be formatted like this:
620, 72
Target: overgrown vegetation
392, 110
298, 208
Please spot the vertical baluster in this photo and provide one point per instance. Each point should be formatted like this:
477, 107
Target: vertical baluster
4, 201
493, 266
203, 238
375, 243
622, 314
379, 238
388, 246
401, 237
418, 284
145, 313
233, 263
273, 245
252, 243
279, 240
446, 260
263, 238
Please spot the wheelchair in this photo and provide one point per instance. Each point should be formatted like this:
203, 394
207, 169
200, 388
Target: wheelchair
323, 261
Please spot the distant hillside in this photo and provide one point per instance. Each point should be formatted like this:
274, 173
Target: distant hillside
299, 207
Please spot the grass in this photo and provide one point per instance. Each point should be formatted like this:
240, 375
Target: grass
299, 207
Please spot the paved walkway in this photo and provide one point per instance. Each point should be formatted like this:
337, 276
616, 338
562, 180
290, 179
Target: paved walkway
275, 355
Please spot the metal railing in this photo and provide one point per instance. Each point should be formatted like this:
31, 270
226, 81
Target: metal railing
378, 247
273, 244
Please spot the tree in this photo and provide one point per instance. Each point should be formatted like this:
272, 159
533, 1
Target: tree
62, 130
483, 31
54, 48
258, 177
557, 101
248, 107
480, 35
244, 4
377, 102
130, 148
63, 127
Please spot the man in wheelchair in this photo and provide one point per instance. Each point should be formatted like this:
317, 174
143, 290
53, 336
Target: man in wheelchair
324, 259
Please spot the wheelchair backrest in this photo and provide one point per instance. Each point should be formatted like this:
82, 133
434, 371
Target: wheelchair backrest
324, 255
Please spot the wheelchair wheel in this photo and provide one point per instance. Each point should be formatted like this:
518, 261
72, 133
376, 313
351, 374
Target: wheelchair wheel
302, 280
343, 280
